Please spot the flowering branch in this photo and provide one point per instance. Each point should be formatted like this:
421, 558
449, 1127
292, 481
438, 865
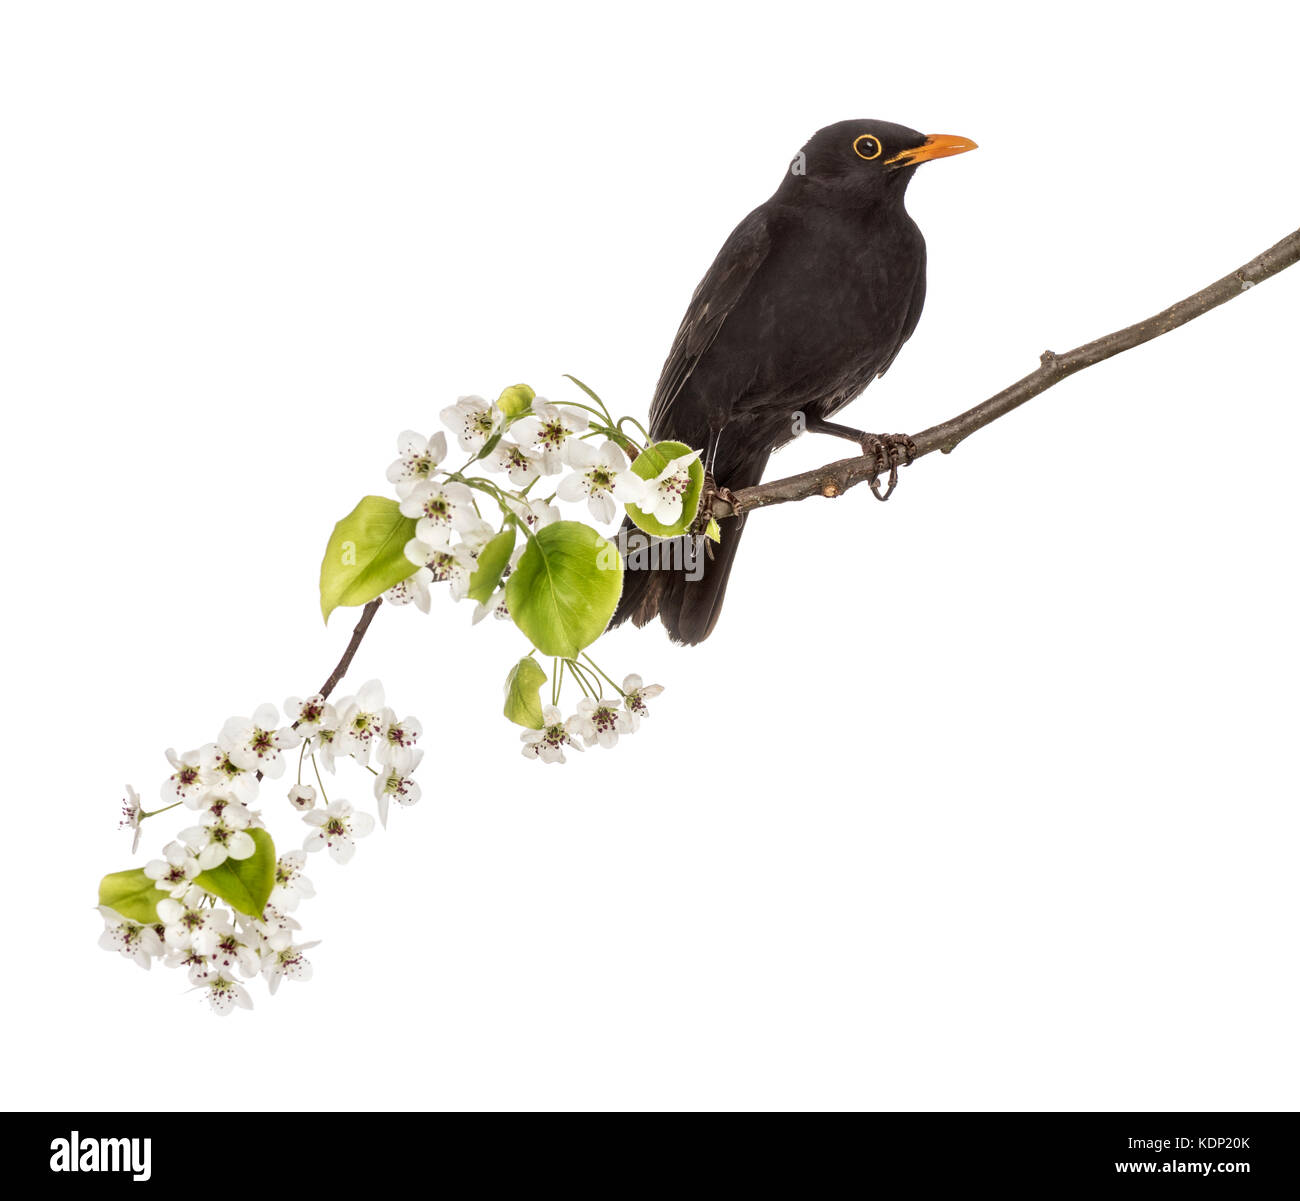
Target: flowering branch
220, 899
838, 477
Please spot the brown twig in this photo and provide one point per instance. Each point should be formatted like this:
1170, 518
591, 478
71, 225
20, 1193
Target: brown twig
358, 633
838, 477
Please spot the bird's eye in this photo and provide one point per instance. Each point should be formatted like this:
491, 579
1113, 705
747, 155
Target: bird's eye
867, 147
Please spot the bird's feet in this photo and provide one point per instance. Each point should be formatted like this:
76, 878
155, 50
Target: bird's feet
890, 452
711, 493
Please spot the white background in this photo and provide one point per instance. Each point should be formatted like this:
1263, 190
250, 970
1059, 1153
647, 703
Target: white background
981, 799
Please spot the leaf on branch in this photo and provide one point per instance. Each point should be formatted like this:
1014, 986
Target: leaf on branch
244, 883
565, 588
586, 389
132, 894
649, 464
524, 693
492, 561
366, 554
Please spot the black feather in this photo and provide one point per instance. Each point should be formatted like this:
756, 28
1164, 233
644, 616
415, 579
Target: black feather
810, 298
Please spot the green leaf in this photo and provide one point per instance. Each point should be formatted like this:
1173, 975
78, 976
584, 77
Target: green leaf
600, 403
132, 894
565, 588
650, 463
712, 531
489, 446
492, 560
366, 554
244, 883
524, 693
516, 401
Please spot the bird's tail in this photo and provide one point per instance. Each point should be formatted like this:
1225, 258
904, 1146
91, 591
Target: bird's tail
682, 581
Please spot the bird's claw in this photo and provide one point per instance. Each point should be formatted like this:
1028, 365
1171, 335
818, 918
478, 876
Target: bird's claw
712, 492
704, 514
728, 497
889, 452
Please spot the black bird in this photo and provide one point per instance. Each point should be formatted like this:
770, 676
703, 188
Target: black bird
809, 299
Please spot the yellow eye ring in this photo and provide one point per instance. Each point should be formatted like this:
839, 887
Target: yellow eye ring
870, 140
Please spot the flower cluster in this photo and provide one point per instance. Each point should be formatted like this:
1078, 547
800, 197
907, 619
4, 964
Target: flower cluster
597, 721
219, 900
171, 909
546, 440
459, 511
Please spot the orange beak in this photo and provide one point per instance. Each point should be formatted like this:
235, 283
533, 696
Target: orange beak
937, 145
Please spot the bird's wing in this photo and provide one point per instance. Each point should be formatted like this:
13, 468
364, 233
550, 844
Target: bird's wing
717, 295
914, 306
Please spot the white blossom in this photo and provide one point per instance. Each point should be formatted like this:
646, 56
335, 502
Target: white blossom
283, 960
302, 797
183, 918
603, 478
174, 871
224, 947
520, 467
664, 493
132, 815
414, 590
602, 721
227, 775
307, 716
534, 513
223, 834
395, 782
473, 420
326, 742
360, 719
291, 886
395, 739
636, 693
256, 743
225, 995
454, 565
417, 460
199, 969
189, 780
549, 432
548, 743
271, 922
337, 827
137, 942
442, 507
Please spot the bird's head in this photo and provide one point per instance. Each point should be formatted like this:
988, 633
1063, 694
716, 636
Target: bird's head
862, 161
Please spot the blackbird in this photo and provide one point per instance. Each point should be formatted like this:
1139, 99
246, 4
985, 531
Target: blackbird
810, 299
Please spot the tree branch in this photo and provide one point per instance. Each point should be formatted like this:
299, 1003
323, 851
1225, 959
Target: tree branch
358, 633
838, 477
